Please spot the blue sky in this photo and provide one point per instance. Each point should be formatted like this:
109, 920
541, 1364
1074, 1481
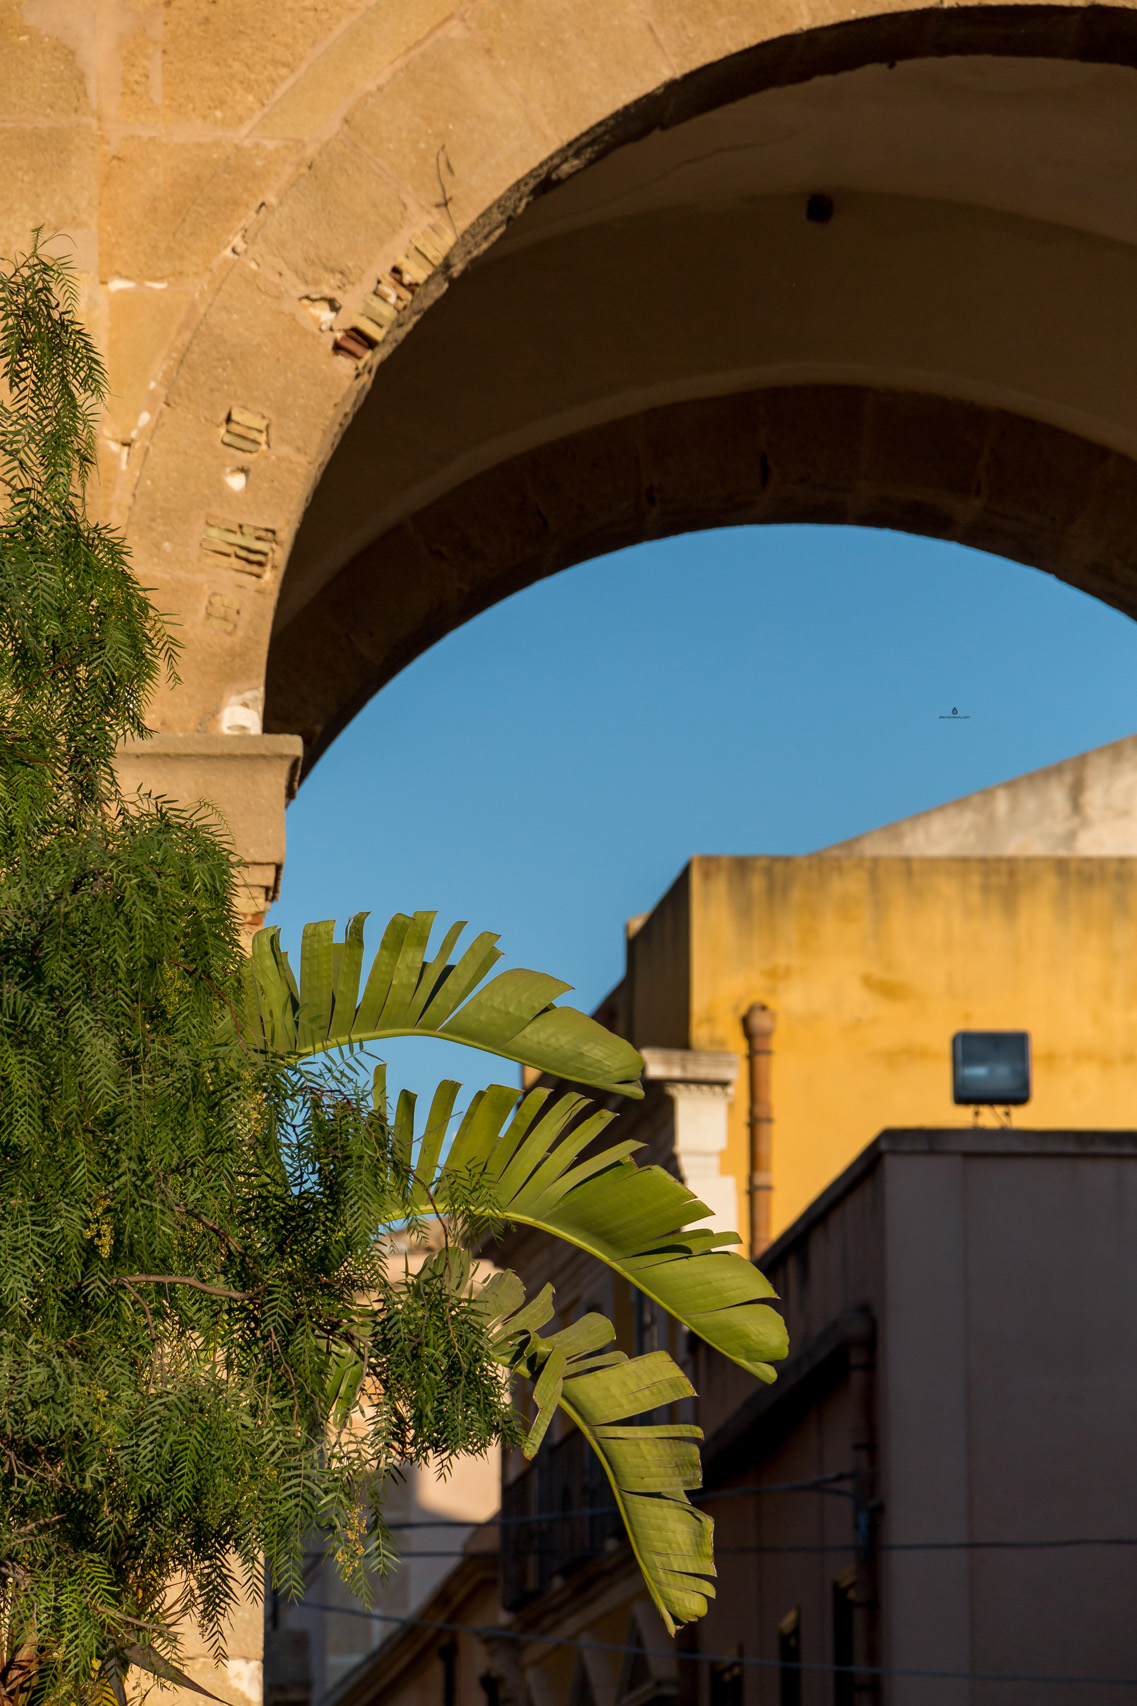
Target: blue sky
548, 769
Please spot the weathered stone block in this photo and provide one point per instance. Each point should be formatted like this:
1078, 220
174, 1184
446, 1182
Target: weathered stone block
819, 13
257, 348
563, 502
226, 617
707, 461
140, 326
916, 443
46, 73
575, 61
343, 69
223, 62
180, 522
1036, 470
695, 32
168, 209
448, 127
904, 513
816, 436
1107, 527
49, 180
334, 218
140, 88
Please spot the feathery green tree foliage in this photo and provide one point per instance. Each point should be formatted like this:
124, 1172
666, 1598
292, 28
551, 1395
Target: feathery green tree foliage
207, 1349
188, 1224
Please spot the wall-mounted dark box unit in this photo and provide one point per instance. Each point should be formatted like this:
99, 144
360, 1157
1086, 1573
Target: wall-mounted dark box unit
991, 1068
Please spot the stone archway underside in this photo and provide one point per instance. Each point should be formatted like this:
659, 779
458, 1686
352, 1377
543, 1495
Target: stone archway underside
839, 454
897, 294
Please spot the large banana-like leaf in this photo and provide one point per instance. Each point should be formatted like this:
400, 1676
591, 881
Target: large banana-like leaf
650, 1468
407, 994
635, 1219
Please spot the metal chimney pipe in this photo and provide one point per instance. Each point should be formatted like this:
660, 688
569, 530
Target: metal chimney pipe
758, 1023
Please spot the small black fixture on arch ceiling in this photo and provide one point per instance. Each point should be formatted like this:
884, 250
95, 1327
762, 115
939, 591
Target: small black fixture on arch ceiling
819, 209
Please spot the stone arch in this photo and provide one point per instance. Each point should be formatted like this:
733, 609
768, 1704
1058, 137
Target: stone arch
837, 454
415, 113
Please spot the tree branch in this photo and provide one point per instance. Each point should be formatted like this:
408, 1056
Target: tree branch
132, 1280
212, 1226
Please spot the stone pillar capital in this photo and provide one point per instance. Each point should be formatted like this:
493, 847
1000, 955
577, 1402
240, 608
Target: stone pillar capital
248, 779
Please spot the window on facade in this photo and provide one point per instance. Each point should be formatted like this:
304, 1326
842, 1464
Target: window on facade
789, 1659
581, 1692
726, 1682
647, 1325
448, 1653
844, 1597
637, 1677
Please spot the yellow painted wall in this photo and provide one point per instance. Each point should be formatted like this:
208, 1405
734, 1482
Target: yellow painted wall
871, 964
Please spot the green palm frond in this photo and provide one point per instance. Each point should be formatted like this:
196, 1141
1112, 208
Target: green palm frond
634, 1219
408, 994
650, 1467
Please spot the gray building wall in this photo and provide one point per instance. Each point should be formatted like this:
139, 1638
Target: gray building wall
963, 1310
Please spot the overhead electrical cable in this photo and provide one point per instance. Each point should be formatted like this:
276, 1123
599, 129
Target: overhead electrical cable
489, 1632
832, 1546
818, 1484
